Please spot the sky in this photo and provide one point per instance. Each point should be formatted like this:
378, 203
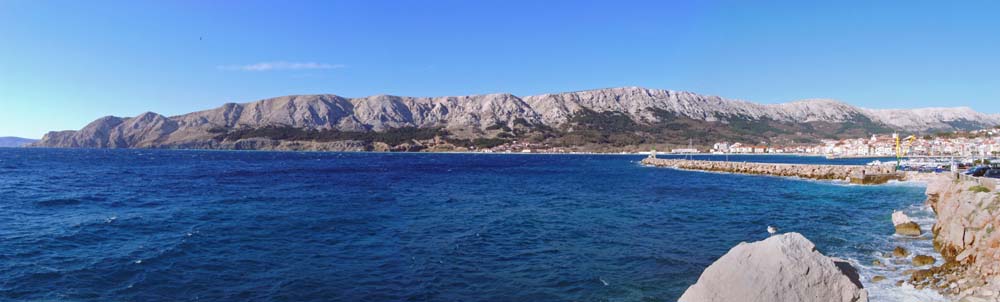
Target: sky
66, 63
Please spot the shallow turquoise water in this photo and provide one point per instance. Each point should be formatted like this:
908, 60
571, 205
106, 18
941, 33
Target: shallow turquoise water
150, 225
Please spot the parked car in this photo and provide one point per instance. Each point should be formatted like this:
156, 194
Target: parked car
977, 171
992, 173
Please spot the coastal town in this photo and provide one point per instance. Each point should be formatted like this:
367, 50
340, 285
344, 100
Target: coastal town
977, 143
981, 143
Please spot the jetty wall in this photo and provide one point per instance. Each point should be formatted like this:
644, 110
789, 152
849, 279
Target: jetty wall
856, 174
989, 183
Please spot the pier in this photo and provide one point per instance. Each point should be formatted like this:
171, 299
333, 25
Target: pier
855, 174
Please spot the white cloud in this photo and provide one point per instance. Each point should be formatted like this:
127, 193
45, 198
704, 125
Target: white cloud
282, 65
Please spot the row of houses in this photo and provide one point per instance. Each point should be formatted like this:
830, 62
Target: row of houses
886, 146
878, 146
725, 147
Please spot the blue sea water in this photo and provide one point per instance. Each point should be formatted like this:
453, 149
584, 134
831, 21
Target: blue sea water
160, 225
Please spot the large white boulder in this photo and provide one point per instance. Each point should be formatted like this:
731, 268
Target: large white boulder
786, 267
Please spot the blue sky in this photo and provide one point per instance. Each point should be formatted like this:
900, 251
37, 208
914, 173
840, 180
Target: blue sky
65, 63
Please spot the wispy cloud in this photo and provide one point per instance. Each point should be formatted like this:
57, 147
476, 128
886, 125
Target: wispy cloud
282, 65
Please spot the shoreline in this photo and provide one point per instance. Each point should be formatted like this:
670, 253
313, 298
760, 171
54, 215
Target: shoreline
956, 222
874, 267
891, 276
966, 216
431, 152
466, 152
886, 275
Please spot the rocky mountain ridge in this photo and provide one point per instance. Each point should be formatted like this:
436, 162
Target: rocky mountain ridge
626, 115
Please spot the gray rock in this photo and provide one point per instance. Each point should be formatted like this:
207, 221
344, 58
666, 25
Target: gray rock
786, 267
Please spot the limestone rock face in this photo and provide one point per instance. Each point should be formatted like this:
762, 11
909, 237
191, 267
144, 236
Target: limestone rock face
97, 134
923, 119
472, 115
785, 267
965, 234
144, 130
966, 222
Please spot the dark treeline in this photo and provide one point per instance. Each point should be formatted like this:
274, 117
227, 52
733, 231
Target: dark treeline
393, 137
589, 128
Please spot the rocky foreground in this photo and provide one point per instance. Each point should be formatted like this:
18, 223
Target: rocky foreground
788, 268
856, 174
968, 215
785, 267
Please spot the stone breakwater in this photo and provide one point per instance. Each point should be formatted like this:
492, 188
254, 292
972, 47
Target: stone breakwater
966, 235
856, 174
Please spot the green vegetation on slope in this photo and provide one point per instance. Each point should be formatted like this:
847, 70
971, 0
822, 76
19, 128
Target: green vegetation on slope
979, 189
392, 136
592, 128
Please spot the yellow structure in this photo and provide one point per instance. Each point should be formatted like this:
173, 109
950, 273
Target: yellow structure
900, 150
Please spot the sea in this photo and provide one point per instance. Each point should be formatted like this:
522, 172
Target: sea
175, 225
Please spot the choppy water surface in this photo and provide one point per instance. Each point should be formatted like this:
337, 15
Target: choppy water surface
146, 225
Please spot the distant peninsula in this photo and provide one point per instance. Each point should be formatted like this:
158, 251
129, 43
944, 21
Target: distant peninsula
602, 120
13, 142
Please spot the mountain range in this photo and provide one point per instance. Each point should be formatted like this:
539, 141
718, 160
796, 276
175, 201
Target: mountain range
602, 119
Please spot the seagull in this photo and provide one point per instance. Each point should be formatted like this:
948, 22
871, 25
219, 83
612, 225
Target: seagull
772, 230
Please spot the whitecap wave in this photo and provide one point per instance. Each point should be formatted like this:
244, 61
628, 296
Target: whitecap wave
893, 268
907, 183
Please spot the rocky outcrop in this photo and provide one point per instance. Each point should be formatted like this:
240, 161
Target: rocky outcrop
908, 229
97, 134
470, 117
822, 172
781, 268
904, 226
965, 235
900, 252
921, 260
